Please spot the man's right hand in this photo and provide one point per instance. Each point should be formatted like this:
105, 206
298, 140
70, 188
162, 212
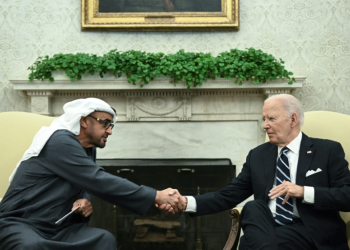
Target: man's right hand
85, 207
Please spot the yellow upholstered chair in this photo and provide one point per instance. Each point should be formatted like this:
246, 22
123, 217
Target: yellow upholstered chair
17, 130
318, 124
333, 126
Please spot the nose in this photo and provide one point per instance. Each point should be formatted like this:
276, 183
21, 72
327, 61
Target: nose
109, 131
266, 124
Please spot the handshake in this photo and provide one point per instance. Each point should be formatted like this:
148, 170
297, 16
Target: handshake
170, 201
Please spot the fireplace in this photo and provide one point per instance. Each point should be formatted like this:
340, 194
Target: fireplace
156, 229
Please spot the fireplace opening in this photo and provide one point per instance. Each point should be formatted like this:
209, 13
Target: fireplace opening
157, 229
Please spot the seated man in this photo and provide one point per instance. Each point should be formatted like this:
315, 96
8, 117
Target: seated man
299, 185
57, 174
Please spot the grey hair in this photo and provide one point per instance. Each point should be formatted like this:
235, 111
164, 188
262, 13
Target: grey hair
291, 105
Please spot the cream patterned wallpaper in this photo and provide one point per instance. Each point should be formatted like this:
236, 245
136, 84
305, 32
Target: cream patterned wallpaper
312, 37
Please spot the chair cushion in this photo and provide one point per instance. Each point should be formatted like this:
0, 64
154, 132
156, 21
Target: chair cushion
17, 132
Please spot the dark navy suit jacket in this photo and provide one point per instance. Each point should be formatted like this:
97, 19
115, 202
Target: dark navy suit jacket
332, 188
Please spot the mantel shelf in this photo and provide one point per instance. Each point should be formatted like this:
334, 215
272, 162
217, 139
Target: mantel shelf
157, 84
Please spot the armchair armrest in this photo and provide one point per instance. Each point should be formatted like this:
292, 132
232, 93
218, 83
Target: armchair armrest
233, 239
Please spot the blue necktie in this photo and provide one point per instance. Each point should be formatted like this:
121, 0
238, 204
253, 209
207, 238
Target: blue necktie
284, 213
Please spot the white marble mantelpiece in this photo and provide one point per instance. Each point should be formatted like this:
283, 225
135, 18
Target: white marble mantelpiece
161, 120
43, 95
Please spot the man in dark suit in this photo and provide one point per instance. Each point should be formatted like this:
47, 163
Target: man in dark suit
298, 190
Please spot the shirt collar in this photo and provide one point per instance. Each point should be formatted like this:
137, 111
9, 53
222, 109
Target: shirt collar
294, 145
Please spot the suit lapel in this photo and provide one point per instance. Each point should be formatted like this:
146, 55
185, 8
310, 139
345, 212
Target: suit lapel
306, 154
270, 158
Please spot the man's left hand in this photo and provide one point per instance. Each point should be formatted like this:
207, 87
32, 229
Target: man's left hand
85, 207
288, 189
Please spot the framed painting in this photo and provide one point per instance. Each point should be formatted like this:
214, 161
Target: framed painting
160, 15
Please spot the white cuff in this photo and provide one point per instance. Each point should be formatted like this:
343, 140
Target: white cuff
309, 195
191, 205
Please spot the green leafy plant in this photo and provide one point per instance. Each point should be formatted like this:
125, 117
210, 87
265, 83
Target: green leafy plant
192, 68
188, 67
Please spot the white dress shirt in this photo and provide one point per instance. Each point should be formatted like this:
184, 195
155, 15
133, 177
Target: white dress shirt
293, 157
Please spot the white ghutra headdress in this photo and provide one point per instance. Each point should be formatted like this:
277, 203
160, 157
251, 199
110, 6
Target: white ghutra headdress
70, 120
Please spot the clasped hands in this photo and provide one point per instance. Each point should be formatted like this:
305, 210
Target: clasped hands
170, 201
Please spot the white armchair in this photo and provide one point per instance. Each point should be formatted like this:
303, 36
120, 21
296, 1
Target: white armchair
333, 126
17, 132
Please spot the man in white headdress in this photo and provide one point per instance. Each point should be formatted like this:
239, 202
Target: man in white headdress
56, 175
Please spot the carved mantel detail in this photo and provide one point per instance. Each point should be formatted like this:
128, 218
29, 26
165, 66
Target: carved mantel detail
159, 106
40, 101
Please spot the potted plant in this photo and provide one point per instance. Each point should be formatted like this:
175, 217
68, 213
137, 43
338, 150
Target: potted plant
189, 67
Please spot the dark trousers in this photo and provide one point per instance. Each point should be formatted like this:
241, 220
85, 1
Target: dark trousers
261, 232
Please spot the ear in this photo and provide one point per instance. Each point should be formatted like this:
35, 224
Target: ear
83, 122
294, 120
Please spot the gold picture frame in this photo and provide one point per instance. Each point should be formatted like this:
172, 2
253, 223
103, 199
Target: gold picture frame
160, 15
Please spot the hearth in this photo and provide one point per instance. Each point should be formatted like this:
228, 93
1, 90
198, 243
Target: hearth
158, 230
